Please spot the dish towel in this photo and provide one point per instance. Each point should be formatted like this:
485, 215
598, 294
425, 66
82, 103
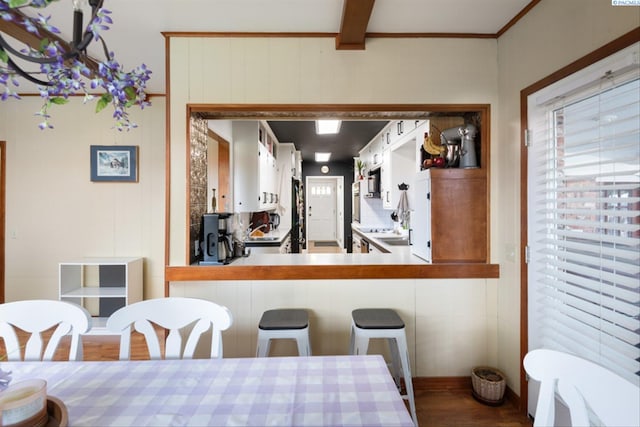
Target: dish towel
403, 206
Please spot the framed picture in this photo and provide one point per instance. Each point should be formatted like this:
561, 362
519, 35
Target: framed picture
114, 163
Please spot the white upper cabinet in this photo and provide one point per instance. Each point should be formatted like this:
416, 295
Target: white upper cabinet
396, 148
254, 167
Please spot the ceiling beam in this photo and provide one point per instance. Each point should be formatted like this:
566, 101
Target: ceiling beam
18, 32
353, 28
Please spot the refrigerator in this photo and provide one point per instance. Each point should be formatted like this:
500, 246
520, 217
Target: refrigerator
297, 216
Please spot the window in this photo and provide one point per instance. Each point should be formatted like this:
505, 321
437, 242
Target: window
584, 215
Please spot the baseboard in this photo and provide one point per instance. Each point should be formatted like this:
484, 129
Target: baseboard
456, 383
441, 383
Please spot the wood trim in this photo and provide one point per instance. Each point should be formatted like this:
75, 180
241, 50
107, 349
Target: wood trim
517, 18
343, 111
167, 160
353, 26
608, 49
187, 190
431, 35
361, 111
244, 34
441, 383
3, 199
309, 272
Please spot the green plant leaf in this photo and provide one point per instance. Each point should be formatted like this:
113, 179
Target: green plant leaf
58, 101
103, 102
17, 3
43, 44
131, 93
3, 56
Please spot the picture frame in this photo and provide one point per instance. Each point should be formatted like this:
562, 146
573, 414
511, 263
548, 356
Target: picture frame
114, 163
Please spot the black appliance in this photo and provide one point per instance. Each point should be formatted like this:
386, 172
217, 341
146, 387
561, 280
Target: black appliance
215, 240
297, 216
355, 202
274, 220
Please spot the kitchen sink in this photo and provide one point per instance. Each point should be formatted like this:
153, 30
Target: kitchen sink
395, 241
375, 230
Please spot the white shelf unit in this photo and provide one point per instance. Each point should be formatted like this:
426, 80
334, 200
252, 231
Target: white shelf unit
101, 285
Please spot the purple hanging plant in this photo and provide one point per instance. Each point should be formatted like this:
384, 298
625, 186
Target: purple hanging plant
63, 73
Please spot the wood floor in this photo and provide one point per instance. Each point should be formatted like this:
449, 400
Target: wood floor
445, 407
314, 247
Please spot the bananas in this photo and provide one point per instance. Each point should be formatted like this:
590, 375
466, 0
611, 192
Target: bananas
431, 147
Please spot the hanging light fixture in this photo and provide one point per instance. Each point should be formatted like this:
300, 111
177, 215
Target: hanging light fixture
64, 67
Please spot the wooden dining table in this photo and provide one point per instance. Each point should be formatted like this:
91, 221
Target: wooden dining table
271, 391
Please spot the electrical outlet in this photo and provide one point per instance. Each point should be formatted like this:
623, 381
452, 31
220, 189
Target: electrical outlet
510, 251
13, 234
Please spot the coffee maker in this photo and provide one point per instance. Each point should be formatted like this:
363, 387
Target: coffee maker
215, 239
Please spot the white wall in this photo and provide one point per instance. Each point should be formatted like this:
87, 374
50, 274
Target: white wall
451, 323
311, 71
55, 213
552, 35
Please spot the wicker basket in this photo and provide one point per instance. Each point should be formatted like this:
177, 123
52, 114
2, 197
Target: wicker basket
488, 385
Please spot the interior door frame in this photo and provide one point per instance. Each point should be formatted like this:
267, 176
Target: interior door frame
589, 59
3, 186
339, 195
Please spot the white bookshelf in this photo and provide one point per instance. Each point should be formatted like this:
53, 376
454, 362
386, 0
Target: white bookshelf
101, 285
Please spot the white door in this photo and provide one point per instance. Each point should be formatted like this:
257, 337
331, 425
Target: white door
321, 208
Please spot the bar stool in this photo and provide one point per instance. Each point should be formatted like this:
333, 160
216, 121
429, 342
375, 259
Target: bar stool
284, 323
368, 323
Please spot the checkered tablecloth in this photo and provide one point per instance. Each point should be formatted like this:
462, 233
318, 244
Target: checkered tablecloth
272, 391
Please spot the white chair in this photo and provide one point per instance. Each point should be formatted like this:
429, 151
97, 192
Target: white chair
593, 394
175, 315
37, 316
370, 323
284, 323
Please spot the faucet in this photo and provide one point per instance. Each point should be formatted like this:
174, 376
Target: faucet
249, 230
258, 228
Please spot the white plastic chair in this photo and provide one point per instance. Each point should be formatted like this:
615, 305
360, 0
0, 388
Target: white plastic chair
593, 394
37, 316
173, 314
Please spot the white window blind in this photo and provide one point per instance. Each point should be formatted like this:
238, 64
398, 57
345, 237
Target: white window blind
584, 215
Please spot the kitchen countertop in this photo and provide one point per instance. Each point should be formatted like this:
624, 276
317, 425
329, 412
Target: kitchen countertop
273, 238
399, 262
376, 237
394, 255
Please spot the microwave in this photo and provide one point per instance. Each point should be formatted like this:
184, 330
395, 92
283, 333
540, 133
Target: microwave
373, 184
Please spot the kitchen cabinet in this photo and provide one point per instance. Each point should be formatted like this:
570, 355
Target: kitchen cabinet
101, 285
421, 216
399, 129
458, 201
374, 149
399, 166
287, 163
385, 180
254, 167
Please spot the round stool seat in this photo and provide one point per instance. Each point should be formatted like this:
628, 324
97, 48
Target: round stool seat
377, 318
286, 318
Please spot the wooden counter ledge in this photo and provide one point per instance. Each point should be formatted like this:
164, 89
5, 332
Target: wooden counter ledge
302, 272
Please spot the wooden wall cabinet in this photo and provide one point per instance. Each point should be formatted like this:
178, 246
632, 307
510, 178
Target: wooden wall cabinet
459, 217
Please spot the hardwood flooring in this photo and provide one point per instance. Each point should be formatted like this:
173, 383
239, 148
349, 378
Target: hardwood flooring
436, 407
313, 248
